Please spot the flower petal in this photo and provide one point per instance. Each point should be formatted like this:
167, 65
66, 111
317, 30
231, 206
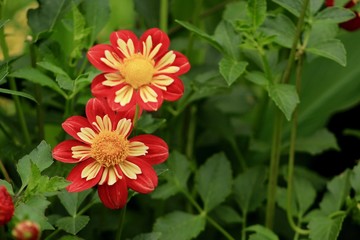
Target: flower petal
182, 62
63, 153
97, 52
73, 126
174, 91
114, 196
158, 150
78, 183
157, 37
146, 100
125, 41
98, 107
145, 182
98, 89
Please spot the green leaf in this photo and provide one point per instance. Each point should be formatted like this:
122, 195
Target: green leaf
332, 49
317, 143
177, 176
257, 77
261, 233
34, 209
338, 190
236, 11
17, 93
229, 40
40, 156
304, 194
285, 97
7, 185
250, 188
36, 76
228, 215
216, 170
201, 34
179, 226
148, 236
3, 22
325, 228
293, 6
335, 15
4, 71
65, 82
148, 124
71, 201
355, 181
282, 27
52, 67
231, 69
72, 224
257, 12
70, 237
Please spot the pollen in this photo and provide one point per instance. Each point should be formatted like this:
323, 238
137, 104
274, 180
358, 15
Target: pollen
137, 70
109, 148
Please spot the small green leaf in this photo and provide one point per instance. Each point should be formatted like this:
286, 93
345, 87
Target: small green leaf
317, 143
216, 170
257, 77
250, 188
148, 236
230, 40
65, 82
285, 97
227, 215
257, 12
355, 180
304, 193
282, 27
332, 49
201, 34
261, 233
4, 71
17, 93
72, 225
71, 201
334, 15
293, 6
179, 226
231, 69
148, 124
326, 228
51, 67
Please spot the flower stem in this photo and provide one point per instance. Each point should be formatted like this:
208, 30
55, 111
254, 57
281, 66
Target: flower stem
243, 227
4, 172
121, 225
12, 83
191, 132
164, 6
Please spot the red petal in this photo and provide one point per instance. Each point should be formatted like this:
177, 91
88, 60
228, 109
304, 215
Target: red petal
73, 124
98, 89
97, 52
329, 3
99, 107
114, 196
175, 90
157, 36
145, 182
80, 184
182, 62
150, 106
124, 35
158, 150
62, 152
352, 24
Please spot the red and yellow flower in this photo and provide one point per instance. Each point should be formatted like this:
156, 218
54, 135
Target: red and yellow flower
136, 71
106, 157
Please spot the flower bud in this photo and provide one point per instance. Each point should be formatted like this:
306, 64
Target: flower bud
26, 230
6, 206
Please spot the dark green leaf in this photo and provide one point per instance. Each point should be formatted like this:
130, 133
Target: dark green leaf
71, 201
230, 40
148, 236
335, 15
332, 49
216, 170
304, 193
228, 215
250, 188
282, 27
257, 12
355, 181
70, 237
4, 70
326, 228
231, 69
148, 124
293, 6
17, 93
261, 233
179, 226
72, 224
51, 67
285, 97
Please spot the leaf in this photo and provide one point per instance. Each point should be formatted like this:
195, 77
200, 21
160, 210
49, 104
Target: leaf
231, 69
317, 143
71, 201
4, 71
236, 11
7, 185
332, 49
17, 93
228, 215
201, 34
177, 176
282, 27
3, 22
179, 226
335, 15
338, 190
285, 97
257, 12
216, 170
148, 236
261, 233
250, 188
304, 194
326, 228
72, 224
52, 68
228, 38
355, 181
70, 237
257, 77
293, 6
148, 124
40, 156
36, 76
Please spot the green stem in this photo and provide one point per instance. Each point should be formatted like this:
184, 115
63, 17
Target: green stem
164, 6
239, 155
121, 225
53, 234
191, 132
243, 226
136, 116
13, 87
4, 172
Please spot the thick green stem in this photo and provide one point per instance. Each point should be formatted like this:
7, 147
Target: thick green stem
191, 133
164, 6
13, 87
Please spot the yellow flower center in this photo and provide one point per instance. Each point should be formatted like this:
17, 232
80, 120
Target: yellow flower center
137, 70
109, 148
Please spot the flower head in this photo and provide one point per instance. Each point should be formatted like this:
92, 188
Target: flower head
352, 24
106, 157
26, 230
6, 206
138, 71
